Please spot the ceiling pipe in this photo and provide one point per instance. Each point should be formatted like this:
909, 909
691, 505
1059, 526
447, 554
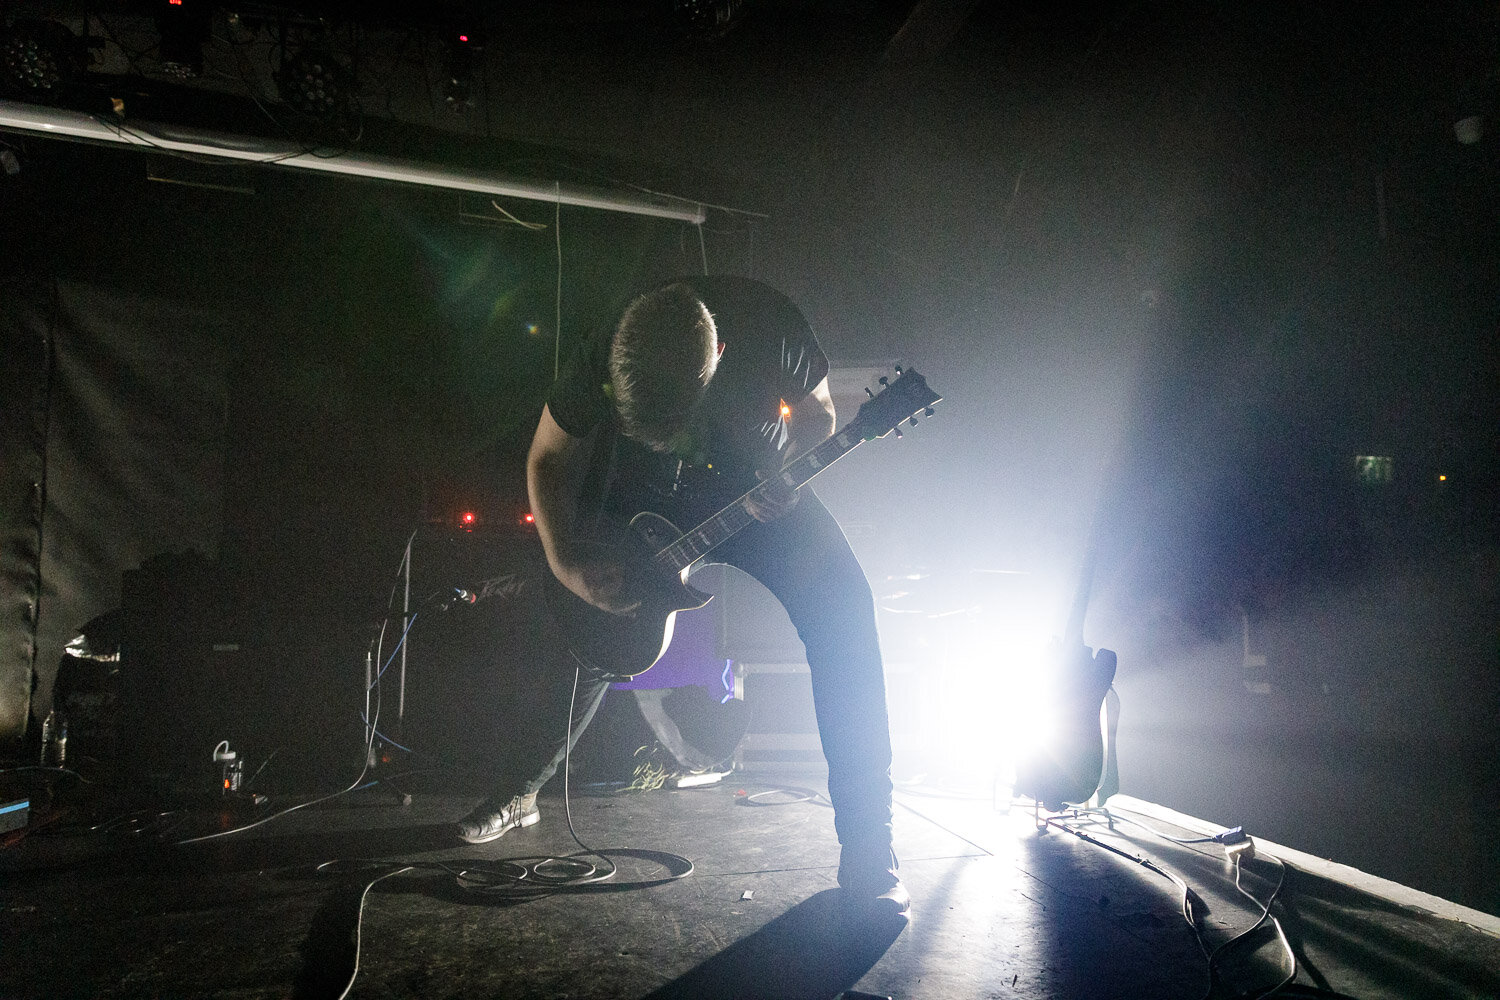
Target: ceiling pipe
77, 126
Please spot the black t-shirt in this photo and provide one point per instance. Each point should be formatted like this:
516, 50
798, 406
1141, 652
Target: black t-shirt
770, 357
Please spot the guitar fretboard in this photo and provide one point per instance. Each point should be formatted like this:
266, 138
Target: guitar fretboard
695, 544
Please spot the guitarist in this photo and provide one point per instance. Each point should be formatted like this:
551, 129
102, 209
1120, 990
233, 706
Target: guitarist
722, 372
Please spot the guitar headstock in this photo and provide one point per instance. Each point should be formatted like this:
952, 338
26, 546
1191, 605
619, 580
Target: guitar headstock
901, 398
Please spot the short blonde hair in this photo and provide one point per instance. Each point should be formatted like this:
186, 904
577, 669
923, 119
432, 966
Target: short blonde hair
664, 351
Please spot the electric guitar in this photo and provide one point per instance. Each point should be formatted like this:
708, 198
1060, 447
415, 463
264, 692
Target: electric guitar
1071, 759
621, 646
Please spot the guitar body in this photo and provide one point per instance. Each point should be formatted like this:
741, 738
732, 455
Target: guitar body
660, 556
1066, 767
621, 646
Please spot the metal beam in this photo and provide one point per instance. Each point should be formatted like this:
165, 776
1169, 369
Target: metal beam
75, 125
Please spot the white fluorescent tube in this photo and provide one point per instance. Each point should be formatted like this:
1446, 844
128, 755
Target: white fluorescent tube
77, 125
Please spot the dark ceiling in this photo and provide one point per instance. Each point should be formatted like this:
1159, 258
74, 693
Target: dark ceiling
1008, 191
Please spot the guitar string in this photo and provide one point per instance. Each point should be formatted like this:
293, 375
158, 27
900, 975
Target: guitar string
677, 555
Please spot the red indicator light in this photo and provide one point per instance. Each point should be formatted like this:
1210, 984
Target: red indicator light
530, 518
175, 3
786, 411
468, 517
461, 38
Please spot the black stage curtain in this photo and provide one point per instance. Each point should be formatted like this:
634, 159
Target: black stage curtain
279, 386
126, 398
25, 313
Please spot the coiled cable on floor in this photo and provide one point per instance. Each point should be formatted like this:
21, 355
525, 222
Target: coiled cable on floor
525, 876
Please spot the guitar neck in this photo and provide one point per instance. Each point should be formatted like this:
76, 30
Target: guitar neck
694, 544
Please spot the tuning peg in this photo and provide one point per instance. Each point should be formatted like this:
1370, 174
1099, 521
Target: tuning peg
884, 380
912, 420
897, 430
898, 370
869, 393
927, 412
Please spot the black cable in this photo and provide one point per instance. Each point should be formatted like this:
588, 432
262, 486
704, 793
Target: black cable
529, 876
354, 786
1223, 837
550, 874
1188, 913
567, 772
262, 767
798, 796
359, 925
1211, 957
136, 823
372, 720
1265, 913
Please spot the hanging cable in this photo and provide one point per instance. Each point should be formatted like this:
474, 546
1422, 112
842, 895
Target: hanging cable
557, 316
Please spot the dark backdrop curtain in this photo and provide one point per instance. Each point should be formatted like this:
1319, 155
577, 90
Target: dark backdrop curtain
283, 375
127, 398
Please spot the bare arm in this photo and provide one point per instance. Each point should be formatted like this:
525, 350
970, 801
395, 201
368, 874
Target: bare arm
552, 484
811, 421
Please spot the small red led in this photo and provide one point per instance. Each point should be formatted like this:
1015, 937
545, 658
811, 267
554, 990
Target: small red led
468, 517
530, 518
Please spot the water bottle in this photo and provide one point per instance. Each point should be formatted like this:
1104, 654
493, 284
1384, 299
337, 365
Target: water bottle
232, 768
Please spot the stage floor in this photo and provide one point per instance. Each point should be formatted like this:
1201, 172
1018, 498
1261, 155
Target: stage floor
1002, 908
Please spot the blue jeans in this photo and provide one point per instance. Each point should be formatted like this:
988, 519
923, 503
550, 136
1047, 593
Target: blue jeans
806, 562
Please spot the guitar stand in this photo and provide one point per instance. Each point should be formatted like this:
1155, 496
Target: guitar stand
1072, 812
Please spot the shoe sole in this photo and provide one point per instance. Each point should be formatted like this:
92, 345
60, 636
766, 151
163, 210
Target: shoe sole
530, 819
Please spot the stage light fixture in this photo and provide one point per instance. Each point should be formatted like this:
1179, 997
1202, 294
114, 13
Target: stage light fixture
316, 85
707, 19
40, 60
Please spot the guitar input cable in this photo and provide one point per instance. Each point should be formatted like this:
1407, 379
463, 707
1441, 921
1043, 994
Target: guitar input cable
524, 876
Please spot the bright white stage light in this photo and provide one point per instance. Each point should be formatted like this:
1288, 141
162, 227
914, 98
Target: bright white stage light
983, 686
